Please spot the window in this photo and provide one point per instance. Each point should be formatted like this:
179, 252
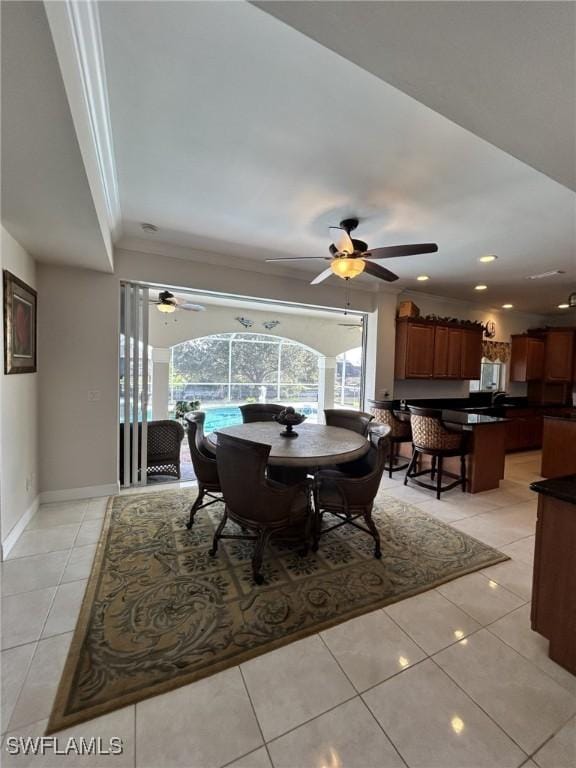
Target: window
492, 377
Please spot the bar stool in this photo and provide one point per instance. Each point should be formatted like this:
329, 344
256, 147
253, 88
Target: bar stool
400, 431
431, 437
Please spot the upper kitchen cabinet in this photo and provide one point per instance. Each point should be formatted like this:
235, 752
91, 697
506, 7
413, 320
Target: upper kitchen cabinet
559, 354
527, 358
414, 350
447, 352
427, 349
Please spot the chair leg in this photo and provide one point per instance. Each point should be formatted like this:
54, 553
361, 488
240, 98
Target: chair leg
463, 472
258, 555
196, 506
439, 478
374, 531
411, 466
218, 533
390, 458
433, 470
316, 529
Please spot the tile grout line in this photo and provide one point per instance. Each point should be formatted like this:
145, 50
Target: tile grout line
255, 717
40, 638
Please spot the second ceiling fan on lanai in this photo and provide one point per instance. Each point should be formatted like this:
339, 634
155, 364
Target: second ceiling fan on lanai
350, 257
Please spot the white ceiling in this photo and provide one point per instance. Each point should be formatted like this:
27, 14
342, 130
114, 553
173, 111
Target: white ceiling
236, 134
47, 204
504, 70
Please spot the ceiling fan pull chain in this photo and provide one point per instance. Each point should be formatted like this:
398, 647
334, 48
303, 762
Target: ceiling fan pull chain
346, 295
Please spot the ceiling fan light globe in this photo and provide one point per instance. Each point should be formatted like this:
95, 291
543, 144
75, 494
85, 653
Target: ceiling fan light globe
347, 268
167, 308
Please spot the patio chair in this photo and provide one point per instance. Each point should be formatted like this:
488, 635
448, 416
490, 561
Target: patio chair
163, 449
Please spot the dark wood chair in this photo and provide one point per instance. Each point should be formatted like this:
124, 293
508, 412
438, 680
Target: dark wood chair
252, 412
204, 463
431, 437
357, 421
163, 448
350, 497
255, 503
400, 431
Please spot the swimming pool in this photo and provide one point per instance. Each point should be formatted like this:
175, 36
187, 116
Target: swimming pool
228, 415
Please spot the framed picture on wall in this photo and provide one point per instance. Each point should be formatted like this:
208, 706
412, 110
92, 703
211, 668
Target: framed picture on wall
19, 325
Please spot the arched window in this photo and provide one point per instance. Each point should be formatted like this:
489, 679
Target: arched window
228, 369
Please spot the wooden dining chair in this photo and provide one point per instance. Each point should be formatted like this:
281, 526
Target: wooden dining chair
252, 412
255, 502
357, 421
204, 463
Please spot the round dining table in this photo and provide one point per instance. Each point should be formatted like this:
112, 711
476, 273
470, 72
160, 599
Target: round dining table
315, 446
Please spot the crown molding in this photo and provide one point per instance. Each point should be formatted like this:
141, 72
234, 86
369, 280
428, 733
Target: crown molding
75, 28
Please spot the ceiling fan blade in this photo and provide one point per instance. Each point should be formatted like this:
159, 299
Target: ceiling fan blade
322, 276
391, 251
299, 258
342, 240
377, 271
192, 307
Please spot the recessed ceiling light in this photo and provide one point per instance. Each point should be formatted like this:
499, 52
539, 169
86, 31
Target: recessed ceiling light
480, 287
507, 306
422, 278
563, 306
149, 227
488, 258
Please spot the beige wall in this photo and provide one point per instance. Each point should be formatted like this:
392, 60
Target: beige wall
78, 344
19, 434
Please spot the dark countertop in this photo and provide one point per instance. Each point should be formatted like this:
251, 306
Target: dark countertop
469, 419
563, 488
560, 417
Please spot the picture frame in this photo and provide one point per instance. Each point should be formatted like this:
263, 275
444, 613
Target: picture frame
20, 325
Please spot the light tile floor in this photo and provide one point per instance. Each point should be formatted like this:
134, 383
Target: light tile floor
452, 678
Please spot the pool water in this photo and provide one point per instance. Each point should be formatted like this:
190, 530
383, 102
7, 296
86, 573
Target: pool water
229, 415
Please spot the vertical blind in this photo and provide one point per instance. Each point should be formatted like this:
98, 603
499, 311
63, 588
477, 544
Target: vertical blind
134, 383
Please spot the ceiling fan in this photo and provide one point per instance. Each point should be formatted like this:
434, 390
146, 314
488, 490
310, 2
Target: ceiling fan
350, 257
167, 302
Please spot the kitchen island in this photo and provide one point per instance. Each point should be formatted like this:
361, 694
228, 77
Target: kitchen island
559, 445
486, 448
554, 585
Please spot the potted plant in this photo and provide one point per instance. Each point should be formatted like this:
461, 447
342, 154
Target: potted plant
183, 407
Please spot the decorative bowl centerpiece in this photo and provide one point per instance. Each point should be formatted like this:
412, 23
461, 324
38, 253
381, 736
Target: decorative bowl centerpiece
289, 419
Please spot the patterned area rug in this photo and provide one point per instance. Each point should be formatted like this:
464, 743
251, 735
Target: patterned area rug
159, 612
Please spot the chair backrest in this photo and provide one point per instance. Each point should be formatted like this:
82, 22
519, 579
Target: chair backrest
357, 421
360, 491
205, 467
429, 431
385, 413
260, 411
249, 495
164, 438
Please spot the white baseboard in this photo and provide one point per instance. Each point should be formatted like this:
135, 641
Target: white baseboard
16, 531
87, 492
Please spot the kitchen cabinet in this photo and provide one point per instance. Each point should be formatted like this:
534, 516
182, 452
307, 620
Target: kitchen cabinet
428, 349
559, 353
471, 357
527, 358
447, 352
553, 613
414, 351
